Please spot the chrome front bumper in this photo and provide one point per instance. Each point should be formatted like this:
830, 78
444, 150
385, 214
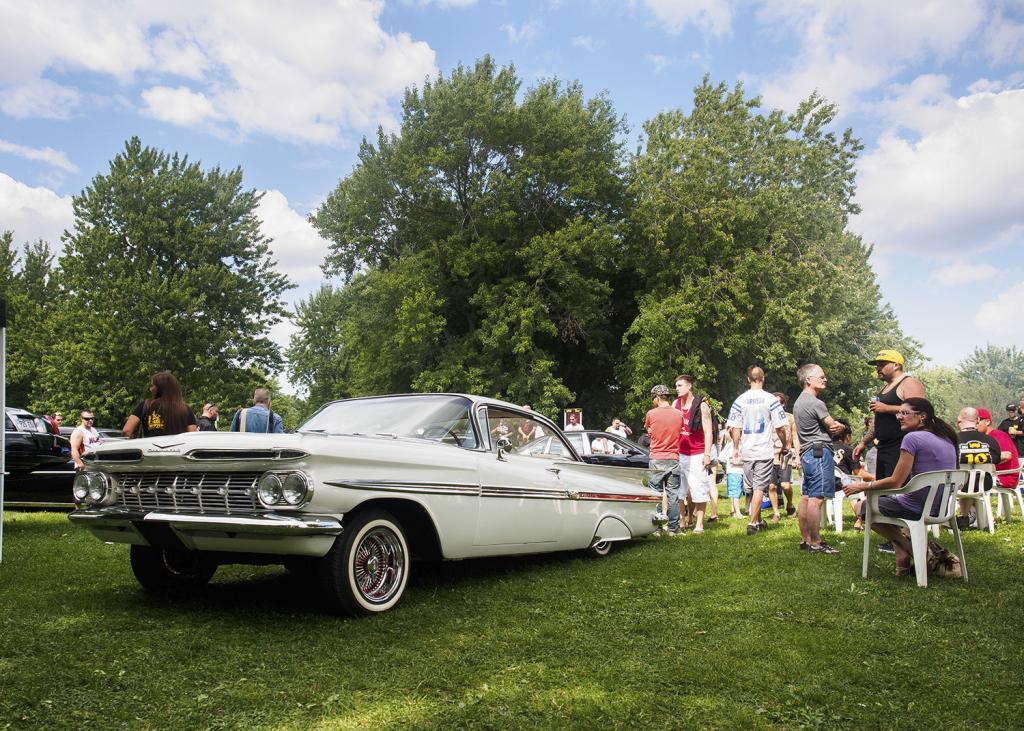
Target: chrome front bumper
283, 533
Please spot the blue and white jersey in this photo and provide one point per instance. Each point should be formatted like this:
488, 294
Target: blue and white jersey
758, 413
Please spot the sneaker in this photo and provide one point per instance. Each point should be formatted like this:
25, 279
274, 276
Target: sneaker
886, 548
762, 525
822, 548
790, 511
751, 529
805, 546
697, 531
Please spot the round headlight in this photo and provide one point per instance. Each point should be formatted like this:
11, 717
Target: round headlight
98, 486
269, 489
295, 488
80, 488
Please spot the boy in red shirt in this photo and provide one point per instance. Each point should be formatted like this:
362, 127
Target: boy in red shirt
665, 425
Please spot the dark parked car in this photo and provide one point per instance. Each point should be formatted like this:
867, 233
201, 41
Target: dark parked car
31, 443
594, 447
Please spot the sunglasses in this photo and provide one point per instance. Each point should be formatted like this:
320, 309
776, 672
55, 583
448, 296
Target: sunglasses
88, 418
905, 414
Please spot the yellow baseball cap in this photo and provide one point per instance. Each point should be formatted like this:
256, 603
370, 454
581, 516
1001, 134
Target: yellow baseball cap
887, 356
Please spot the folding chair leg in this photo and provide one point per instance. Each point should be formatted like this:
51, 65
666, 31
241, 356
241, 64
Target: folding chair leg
867, 538
919, 543
986, 506
837, 512
960, 548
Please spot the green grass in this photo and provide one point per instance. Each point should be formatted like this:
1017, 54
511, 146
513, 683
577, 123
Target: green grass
713, 631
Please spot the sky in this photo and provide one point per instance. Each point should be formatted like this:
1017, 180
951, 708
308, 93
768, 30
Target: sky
286, 91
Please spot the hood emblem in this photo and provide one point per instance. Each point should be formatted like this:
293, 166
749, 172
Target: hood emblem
167, 446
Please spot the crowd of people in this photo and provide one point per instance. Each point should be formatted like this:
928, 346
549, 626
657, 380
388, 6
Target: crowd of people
761, 443
165, 412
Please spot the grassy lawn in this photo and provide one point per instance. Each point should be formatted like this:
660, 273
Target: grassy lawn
716, 631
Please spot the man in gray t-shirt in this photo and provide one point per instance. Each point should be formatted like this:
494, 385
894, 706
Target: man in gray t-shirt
814, 426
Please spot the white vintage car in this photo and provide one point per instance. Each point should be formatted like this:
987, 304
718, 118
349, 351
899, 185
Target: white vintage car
362, 487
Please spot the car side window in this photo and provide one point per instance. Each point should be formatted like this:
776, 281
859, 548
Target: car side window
520, 433
8, 424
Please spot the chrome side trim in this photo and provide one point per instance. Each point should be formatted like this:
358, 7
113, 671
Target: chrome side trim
242, 455
267, 523
436, 488
489, 491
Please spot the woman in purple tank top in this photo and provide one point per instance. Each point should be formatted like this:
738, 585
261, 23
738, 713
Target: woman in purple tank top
929, 444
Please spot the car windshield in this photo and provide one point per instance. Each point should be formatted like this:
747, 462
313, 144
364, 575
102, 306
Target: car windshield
436, 417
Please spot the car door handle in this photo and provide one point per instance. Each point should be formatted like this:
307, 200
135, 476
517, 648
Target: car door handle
555, 470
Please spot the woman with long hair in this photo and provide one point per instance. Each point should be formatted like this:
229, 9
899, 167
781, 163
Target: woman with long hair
165, 412
929, 444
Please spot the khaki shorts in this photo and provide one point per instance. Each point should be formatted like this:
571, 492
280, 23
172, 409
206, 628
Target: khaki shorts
757, 475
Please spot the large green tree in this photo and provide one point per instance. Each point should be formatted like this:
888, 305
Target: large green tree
481, 248
27, 282
166, 268
739, 232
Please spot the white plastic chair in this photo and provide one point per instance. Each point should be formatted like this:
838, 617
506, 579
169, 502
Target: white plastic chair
954, 481
1005, 495
974, 490
833, 512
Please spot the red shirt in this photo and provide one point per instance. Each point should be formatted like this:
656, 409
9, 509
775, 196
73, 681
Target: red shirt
1013, 463
664, 424
690, 443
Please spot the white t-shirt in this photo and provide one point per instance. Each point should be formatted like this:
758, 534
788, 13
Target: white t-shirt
758, 414
621, 432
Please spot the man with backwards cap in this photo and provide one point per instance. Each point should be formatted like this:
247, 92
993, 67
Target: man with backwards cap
665, 426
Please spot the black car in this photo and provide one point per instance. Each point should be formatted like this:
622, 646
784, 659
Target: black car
594, 447
31, 443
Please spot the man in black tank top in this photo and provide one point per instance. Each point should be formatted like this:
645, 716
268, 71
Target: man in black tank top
885, 430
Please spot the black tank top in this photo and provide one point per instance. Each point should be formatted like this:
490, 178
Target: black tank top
887, 426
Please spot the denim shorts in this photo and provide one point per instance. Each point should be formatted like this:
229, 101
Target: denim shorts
819, 474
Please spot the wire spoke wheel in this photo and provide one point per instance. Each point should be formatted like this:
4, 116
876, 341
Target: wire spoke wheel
379, 565
367, 570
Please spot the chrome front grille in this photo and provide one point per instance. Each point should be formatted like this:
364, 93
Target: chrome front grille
205, 492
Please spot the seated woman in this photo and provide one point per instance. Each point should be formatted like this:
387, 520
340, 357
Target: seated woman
929, 444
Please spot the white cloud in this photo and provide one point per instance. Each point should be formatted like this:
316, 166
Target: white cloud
660, 62
297, 247
34, 213
965, 272
587, 43
304, 70
846, 49
524, 33
178, 106
1004, 39
39, 98
714, 16
50, 156
951, 181
1001, 317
